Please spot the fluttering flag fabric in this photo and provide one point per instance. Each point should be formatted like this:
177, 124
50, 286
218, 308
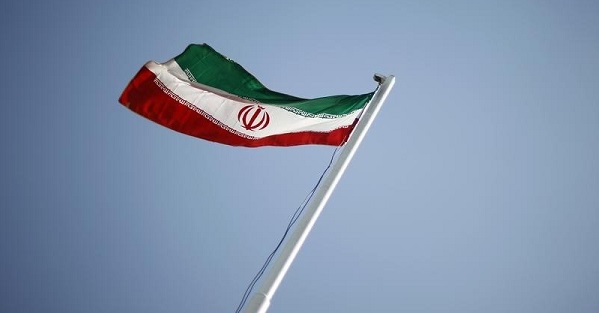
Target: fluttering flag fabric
204, 94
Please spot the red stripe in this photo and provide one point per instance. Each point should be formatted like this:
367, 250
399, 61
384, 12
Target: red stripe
144, 97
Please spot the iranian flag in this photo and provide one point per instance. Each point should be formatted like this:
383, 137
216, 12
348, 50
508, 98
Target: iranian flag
203, 94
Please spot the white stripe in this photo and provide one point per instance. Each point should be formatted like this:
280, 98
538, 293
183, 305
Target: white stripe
224, 107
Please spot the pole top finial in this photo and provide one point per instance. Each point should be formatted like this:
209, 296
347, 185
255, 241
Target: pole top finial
379, 78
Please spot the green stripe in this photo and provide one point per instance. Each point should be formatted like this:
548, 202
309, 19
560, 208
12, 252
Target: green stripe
206, 66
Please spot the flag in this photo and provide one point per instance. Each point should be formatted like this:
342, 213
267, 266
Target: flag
204, 94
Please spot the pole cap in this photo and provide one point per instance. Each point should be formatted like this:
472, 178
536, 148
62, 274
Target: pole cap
379, 78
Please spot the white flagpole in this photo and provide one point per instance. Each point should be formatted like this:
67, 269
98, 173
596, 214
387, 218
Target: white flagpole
261, 299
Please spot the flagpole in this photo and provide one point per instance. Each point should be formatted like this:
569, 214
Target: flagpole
260, 301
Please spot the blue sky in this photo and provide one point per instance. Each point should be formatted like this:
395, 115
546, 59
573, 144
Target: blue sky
476, 189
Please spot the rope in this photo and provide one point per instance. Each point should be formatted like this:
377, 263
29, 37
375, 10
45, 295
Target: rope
298, 212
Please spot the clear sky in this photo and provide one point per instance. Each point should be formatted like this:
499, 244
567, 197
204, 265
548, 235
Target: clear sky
476, 190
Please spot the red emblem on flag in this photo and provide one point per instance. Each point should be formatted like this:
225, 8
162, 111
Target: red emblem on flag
253, 117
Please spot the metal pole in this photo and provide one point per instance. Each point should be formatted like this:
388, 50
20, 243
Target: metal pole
261, 299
